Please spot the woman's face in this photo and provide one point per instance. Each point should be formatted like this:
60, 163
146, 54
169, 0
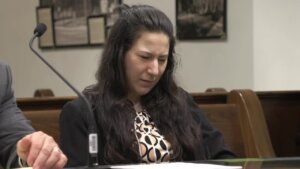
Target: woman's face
145, 63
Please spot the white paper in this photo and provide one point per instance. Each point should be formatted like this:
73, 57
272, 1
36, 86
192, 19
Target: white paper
173, 165
176, 165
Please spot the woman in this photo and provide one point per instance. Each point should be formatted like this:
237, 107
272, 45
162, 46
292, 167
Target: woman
142, 115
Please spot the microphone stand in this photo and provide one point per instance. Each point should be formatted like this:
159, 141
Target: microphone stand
93, 135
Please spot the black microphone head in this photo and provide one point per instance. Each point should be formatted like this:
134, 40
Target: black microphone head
40, 29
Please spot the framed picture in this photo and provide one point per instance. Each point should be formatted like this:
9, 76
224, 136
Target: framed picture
96, 29
74, 21
201, 19
45, 15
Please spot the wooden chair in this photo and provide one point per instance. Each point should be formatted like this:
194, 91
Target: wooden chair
254, 127
46, 121
237, 114
43, 93
225, 118
282, 113
216, 89
43, 112
240, 119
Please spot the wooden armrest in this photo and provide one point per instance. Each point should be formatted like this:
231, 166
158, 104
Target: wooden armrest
254, 128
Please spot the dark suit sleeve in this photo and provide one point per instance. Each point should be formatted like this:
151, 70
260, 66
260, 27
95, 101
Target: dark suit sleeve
13, 124
213, 140
74, 133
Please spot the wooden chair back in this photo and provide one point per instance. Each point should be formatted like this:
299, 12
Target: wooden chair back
254, 127
282, 112
43, 93
237, 114
225, 118
43, 112
239, 117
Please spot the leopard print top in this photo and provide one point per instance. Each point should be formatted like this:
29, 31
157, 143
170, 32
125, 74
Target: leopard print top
153, 147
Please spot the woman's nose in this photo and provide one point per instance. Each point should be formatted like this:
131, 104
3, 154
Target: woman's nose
153, 67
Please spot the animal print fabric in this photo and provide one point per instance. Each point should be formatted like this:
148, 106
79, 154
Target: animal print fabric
153, 147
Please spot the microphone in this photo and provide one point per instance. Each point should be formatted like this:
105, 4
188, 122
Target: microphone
93, 136
40, 29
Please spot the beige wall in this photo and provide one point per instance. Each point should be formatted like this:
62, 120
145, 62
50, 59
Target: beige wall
204, 63
276, 45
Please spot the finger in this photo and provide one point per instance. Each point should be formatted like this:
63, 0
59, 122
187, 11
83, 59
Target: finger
23, 147
56, 160
38, 140
61, 162
53, 158
46, 151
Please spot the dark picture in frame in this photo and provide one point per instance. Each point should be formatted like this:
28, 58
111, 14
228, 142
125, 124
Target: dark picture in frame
71, 20
201, 19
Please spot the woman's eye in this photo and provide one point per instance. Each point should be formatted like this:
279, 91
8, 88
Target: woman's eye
145, 57
162, 60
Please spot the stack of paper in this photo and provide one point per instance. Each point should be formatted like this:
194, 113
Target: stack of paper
176, 165
173, 165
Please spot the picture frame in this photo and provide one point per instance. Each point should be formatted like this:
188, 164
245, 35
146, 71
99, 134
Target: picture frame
201, 19
74, 21
45, 15
96, 29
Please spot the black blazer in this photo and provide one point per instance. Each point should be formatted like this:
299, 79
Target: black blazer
74, 134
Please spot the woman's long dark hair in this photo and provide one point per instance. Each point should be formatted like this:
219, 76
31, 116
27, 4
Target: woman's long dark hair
165, 103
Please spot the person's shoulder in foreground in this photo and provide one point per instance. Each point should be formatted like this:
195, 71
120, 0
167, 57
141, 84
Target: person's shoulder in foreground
19, 143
